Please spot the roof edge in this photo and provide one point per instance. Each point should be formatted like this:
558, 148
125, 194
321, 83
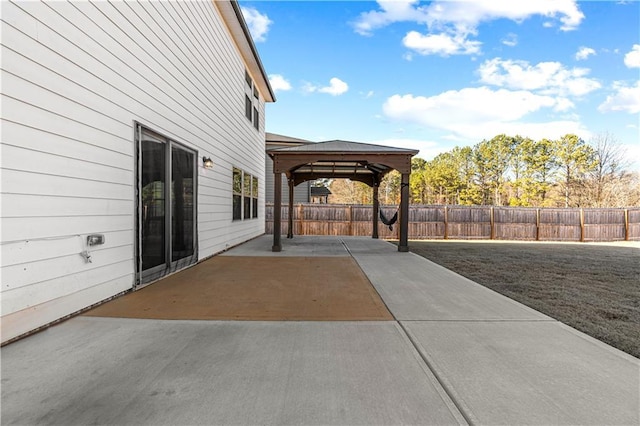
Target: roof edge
232, 14
345, 148
278, 138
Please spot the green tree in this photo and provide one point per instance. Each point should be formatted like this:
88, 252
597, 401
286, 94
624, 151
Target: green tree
517, 165
443, 175
419, 187
468, 192
482, 175
540, 165
575, 159
497, 156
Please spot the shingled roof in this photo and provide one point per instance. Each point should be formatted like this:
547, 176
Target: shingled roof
320, 191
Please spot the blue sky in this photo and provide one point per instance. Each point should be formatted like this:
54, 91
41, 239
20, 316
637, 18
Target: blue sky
433, 75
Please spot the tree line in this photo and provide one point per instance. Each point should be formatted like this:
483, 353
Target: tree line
513, 171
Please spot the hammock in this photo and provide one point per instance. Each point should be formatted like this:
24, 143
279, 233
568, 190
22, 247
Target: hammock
394, 219
389, 222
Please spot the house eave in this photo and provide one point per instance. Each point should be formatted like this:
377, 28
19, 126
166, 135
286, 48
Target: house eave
232, 16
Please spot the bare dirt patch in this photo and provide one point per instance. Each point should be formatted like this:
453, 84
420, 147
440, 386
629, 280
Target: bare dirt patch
256, 289
594, 288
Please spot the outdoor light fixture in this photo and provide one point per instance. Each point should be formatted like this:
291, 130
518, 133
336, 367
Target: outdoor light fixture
207, 162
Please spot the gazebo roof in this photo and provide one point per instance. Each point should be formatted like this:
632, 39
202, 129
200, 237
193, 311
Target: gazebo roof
340, 146
340, 159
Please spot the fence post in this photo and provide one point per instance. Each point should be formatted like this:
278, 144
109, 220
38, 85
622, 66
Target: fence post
492, 234
581, 225
350, 219
626, 224
446, 223
301, 219
537, 224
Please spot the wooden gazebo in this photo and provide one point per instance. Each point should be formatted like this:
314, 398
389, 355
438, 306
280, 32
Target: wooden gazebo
341, 160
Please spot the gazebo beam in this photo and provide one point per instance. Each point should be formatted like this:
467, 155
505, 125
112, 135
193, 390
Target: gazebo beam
303, 177
285, 161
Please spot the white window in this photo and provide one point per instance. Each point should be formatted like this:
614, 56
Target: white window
245, 195
251, 101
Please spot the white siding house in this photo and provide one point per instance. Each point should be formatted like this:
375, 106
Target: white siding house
108, 109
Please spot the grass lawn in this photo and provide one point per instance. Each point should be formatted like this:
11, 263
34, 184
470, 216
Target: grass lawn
594, 288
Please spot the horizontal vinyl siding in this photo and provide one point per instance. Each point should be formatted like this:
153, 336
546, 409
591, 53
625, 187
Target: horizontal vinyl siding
300, 192
75, 78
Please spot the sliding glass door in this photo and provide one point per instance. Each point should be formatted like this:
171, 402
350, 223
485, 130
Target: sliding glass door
166, 187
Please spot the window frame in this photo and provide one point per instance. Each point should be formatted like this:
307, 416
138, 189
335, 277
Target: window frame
256, 118
251, 101
245, 195
254, 197
235, 193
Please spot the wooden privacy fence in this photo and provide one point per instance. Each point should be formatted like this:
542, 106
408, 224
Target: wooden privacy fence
467, 222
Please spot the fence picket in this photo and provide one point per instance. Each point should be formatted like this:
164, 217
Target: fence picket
468, 222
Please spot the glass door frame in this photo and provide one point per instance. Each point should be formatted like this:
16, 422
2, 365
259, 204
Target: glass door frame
145, 277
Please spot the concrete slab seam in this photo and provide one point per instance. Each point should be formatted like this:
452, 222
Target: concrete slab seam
445, 390
370, 283
464, 410
431, 376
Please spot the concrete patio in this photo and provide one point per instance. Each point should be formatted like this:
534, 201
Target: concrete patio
452, 352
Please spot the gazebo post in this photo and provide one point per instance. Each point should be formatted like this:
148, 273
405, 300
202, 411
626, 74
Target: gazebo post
376, 206
403, 245
291, 188
277, 211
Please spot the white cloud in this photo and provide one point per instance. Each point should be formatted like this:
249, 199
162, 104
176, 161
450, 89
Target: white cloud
466, 105
257, 22
632, 59
625, 99
584, 52
336, 87
390, 11
510, 40
468, 14
309, 88
441, 44
279, 83
549, 78
476, 113
471, 13
450, 23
